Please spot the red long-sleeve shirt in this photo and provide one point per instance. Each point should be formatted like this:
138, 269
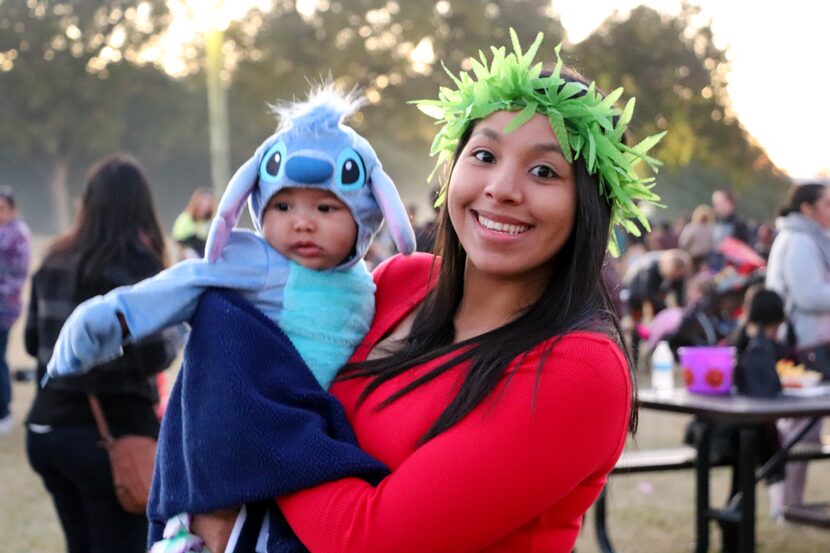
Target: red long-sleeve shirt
515, 475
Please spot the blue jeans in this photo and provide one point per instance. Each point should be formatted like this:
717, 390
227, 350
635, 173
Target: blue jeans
5, 381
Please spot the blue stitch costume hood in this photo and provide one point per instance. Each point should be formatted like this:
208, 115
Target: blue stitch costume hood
313, 148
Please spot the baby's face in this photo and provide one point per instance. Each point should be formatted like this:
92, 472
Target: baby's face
309, 226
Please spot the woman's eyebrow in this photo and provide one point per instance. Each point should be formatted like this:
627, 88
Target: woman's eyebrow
548, 147
489, 133
542, 147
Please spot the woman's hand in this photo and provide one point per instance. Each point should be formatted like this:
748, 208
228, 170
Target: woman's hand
215, 528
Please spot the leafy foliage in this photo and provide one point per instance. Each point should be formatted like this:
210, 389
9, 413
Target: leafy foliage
679, 78
72, 92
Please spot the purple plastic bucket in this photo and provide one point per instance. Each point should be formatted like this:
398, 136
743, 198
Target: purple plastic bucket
707, 370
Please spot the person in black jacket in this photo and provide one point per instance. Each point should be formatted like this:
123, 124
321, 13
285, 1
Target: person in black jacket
116, 240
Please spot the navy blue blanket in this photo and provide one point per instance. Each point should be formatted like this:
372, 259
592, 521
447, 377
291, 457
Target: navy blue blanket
247, 422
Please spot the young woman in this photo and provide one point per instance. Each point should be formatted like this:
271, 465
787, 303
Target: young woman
116, 240
493, 382
799, 270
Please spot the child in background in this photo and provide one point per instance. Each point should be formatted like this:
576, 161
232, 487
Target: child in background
317, 196
758, 347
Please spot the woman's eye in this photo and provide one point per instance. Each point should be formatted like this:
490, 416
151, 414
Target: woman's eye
543, 171
484, 155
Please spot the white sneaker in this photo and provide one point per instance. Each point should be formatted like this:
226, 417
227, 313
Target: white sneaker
776, 501
6, 424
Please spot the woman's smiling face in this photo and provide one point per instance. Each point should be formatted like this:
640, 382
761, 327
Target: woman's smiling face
512, 197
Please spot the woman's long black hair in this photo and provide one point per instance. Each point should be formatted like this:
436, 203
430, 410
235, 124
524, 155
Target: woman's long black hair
117, 214
576, 298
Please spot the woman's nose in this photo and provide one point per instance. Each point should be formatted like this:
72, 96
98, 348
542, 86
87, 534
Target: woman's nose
504, 186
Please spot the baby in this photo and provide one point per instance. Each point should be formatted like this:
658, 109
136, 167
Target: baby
317, 194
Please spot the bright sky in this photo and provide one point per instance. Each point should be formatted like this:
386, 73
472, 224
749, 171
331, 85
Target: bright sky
779, 79
778, 52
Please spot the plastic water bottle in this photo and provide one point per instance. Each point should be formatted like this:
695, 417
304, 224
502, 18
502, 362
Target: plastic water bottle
662, 370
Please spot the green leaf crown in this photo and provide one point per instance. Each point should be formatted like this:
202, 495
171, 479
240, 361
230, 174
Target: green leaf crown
580, 117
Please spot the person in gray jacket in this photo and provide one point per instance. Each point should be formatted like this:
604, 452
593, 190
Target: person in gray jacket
799, 270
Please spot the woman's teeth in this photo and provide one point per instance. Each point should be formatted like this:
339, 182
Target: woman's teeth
501, 227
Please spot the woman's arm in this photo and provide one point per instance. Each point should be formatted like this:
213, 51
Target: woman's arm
805, 275
505, 464
16, 259
30, 333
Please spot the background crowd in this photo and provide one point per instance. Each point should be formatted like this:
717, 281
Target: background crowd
690, 281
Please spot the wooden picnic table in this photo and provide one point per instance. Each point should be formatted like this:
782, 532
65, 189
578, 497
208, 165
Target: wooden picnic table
748, 413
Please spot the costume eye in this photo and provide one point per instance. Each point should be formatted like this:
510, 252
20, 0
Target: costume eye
543, 171
484, 155
351, 172
270, 169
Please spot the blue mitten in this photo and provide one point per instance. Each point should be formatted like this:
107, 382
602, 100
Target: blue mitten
91, 336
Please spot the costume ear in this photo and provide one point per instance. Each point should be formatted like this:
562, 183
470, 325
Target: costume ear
393, 210
230, 207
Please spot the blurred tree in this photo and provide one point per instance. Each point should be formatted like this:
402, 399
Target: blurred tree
64, 82
679, 78
73, 87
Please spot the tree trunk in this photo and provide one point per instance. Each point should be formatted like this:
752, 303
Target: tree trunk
60, 194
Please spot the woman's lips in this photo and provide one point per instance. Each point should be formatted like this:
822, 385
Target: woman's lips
499, 224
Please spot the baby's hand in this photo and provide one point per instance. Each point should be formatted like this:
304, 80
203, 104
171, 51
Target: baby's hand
91, 335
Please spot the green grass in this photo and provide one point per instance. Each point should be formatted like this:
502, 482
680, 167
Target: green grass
654, 513
28, 522
647, 513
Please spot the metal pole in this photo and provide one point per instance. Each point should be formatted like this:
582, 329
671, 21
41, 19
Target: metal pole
220, 153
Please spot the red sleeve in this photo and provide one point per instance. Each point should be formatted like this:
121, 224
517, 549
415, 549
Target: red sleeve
506, 463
